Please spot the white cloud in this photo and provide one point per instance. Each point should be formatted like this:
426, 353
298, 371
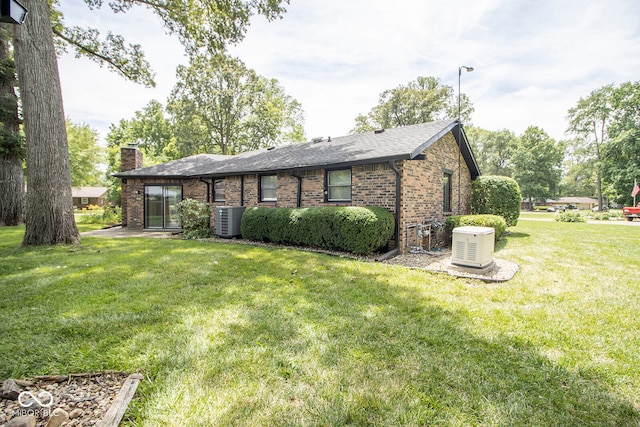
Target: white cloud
533, 60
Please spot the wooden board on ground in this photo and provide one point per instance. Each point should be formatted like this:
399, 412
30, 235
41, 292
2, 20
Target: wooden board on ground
115, 413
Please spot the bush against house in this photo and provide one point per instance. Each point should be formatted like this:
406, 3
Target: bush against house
195, 218
497, 195
360, 230
494, 221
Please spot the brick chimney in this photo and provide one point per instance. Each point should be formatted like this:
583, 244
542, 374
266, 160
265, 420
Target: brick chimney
130, 159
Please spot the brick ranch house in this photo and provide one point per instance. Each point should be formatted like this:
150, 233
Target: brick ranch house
420, 173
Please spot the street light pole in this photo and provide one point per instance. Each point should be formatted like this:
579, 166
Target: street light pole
468, 70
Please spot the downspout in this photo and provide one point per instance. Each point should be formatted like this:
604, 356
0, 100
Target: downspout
299, 194
208, 194
395, 250
241, 190
208, 189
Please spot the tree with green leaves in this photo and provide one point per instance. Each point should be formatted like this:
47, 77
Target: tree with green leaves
221, 106
152, 130
589, 121
537, 163
85, 155
201, 25
493, 150
424, 100
621, 155
12, 150
579, 177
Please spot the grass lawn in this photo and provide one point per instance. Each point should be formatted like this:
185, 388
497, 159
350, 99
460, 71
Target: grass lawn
230, 334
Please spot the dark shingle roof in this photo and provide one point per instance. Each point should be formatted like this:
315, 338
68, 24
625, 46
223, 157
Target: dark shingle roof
391, 144
177, 168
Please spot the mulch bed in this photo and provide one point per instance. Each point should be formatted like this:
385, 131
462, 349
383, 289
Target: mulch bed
86, 397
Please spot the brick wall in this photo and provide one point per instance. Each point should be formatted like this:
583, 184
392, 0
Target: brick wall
422, 197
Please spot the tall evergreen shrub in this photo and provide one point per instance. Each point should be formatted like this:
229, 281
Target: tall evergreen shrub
497, 195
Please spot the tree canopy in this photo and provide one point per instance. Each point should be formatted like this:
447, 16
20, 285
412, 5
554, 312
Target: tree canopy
537, 162
85, 155
201, 25
423, 100
221, 106
493, 150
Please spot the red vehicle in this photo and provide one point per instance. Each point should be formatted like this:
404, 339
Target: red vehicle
631, 213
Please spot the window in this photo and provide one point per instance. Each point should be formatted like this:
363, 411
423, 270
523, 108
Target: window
338, 185
161, 206
446, 191
268, 187
218, 190
84, 200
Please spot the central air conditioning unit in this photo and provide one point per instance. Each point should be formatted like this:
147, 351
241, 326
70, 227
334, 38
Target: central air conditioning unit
473, 246
228, 220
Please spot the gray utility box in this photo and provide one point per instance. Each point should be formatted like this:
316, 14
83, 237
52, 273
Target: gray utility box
228, 220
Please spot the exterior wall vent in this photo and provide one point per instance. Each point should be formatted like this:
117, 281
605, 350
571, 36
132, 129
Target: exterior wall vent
228, 220
473, 246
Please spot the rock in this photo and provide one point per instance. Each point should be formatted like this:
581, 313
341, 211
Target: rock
24, 383
10, 390
58, 417
24, 421
75, 413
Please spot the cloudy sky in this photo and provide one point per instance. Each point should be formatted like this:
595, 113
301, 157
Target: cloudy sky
533, 60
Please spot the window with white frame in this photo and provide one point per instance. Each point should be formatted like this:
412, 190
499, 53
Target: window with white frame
218, 190
338, 185
268, 187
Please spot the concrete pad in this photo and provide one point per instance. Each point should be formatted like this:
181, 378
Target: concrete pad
501, 271
120, 232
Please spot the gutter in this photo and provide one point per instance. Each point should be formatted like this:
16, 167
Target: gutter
241, 190
398, 176
208, 189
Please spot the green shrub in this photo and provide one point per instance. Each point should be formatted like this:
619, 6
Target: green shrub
110, 215
195, 217
601, 216
494, 221
496, 195
360, 230
569, 216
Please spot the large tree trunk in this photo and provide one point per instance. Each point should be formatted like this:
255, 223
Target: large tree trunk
11, 189
11, 149
49, 209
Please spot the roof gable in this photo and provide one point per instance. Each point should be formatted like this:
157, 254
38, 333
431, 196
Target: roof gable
92, 192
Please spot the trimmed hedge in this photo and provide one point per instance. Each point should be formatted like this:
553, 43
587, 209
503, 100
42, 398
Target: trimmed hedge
496, 195
360, 230
494, 221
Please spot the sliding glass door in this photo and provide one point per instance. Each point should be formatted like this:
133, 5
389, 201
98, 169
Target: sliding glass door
161, 206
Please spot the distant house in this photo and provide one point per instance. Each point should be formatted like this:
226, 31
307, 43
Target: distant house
582, 203
85, 196
420, 173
